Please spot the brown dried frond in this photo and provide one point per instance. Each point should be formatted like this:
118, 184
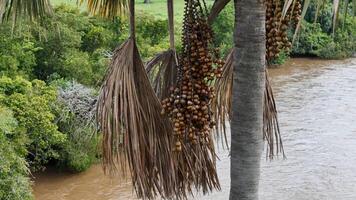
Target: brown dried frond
222, 106
271, 131
135, 134
162, 71
222, 103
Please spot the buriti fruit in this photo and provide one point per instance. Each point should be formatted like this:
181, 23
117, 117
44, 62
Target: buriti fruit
189, 103
277, 27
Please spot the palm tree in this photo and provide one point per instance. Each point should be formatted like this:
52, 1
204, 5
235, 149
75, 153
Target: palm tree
249, 83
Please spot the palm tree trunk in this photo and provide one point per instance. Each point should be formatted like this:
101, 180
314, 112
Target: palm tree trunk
248, 90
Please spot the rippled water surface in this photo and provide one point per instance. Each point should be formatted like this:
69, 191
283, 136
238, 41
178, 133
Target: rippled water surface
317, 112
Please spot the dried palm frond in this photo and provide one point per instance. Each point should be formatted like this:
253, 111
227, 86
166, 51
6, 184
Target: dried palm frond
222, 103
222, 106
106, 8
271, 131
162, 71
135, 134
14, 9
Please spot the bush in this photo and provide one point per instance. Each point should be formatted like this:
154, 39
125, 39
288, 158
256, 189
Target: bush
17, 55
76, 65
317, 39
311, 40
281, 59
31, 103
76, 119
152, 30
14, 184
324, 18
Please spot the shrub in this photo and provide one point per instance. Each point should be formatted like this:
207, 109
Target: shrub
76, 119
31, 103
17, 55
281, 59
324, 18
317, 39
76, 65
311, 40
152, 30
14, 184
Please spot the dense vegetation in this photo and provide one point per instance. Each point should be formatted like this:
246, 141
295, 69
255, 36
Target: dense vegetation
50, 72
49, 75
317, 38
14, 170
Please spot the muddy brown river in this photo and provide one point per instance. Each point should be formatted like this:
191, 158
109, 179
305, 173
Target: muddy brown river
317, 112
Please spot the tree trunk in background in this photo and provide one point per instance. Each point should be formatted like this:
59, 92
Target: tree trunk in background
146, 1
248, 90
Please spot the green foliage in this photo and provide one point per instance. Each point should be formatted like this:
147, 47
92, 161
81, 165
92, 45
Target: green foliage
151, 29
324, 16
311, 40
281, 59
14, 184
66, 43
81, 150
73, 45
31, 104
76, 65
223, 28
17, 55
76, 120
317, 39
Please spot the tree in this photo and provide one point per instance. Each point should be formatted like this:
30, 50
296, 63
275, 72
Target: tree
248, 90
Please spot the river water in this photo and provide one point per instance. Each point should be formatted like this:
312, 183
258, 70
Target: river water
317, 112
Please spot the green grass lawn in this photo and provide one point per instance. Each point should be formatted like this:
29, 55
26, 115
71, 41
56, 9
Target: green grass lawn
158, 8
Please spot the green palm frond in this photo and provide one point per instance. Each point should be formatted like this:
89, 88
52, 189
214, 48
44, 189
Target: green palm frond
15, 9
106, 8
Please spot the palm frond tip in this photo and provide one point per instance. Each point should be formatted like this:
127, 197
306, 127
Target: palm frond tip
16, 9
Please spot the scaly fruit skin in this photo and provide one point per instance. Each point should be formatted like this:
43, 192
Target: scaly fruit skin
189, 103
276, 27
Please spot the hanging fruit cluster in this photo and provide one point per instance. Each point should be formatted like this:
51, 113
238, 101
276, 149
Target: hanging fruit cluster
296, 12
189, 103
276, 27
